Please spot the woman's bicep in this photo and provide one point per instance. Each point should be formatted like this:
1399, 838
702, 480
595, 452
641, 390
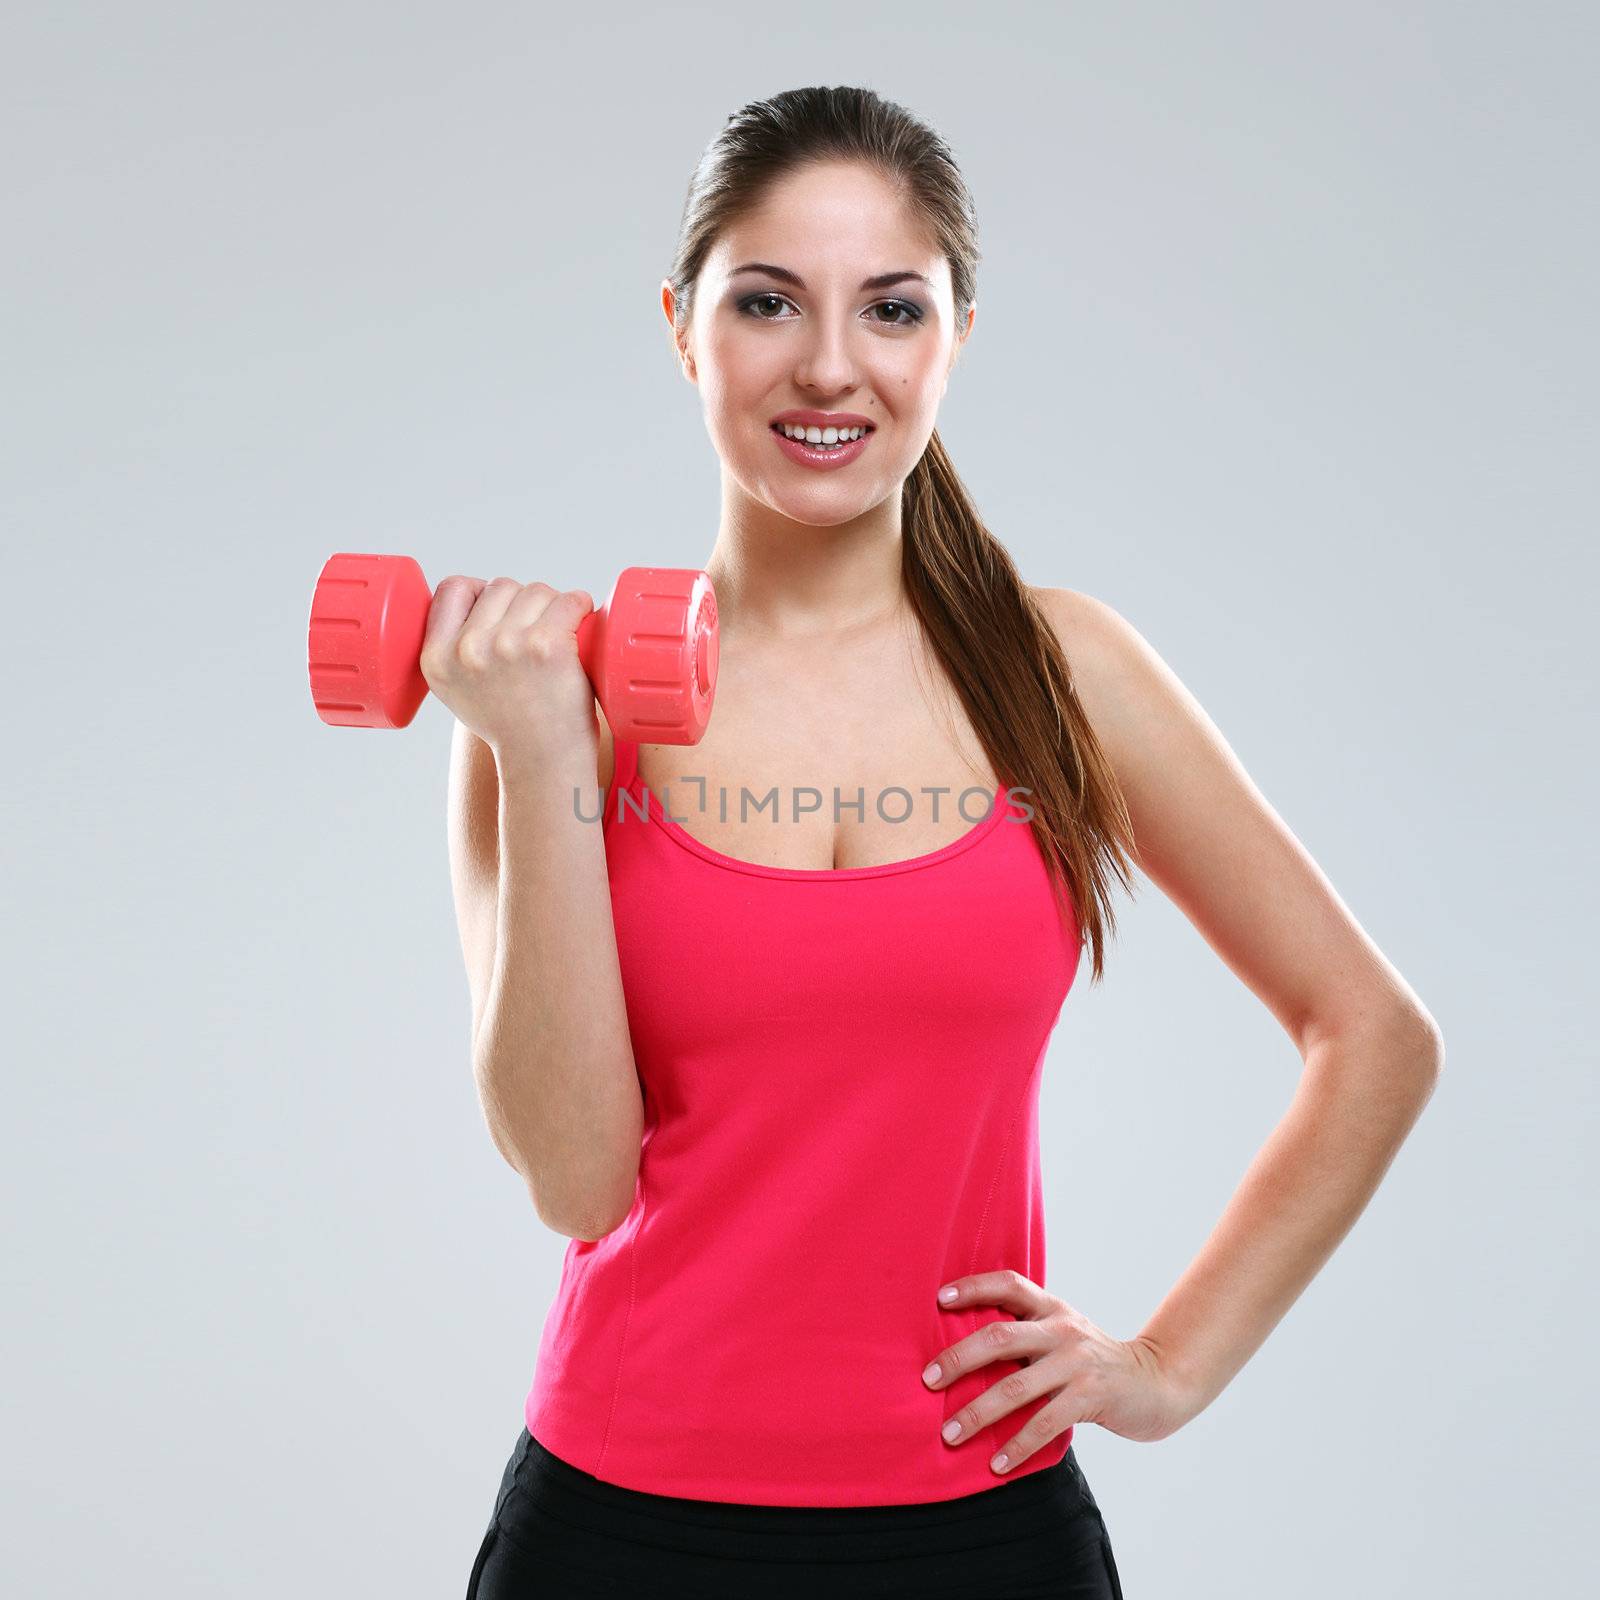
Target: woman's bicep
1209, 839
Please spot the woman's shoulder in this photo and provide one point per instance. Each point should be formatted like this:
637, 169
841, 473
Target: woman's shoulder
1092, 634
1125, 688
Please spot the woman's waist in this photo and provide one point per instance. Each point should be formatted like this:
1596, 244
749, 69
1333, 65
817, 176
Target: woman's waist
785, 1323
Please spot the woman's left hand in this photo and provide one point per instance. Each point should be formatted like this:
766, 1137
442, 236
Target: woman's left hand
1091, 1377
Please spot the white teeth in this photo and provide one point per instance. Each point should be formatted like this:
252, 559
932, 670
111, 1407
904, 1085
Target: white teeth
815, 435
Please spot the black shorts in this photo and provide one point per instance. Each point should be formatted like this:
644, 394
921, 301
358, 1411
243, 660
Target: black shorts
557, 1532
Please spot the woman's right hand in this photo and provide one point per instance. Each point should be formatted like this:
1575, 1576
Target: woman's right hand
504, 657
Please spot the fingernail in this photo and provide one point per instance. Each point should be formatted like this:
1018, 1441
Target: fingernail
947, 1294
950, 1429
999, 1463
931, 1374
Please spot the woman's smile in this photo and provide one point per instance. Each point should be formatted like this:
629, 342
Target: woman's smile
821, 456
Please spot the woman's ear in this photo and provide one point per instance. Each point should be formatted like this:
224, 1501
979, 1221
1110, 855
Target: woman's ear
964, 334
669, 307
956, 346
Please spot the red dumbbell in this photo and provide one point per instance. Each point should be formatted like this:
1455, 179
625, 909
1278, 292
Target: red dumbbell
650, 651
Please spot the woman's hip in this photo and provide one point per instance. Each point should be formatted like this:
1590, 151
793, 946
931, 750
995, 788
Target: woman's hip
558, 1531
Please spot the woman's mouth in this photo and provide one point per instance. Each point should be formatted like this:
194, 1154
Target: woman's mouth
840, 453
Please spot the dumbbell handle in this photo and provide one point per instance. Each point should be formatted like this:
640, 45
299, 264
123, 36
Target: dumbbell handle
650, 651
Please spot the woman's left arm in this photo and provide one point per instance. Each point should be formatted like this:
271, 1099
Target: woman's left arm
1208, 839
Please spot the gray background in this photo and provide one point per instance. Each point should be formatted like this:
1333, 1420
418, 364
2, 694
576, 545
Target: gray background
1284, 348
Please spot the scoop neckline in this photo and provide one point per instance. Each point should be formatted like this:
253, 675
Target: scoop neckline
656, 812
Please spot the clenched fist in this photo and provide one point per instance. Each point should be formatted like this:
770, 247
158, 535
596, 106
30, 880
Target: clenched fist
504, 657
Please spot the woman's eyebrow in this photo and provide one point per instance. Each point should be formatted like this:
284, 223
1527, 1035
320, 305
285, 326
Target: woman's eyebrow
885, 280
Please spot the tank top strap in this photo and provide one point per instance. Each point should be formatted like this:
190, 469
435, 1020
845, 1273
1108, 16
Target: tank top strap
626, 765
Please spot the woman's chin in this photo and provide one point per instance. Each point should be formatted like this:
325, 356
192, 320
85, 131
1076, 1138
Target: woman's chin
818, 509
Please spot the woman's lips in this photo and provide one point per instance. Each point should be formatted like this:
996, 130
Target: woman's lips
820, 461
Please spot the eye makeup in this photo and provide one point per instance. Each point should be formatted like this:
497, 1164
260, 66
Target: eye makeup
912, 312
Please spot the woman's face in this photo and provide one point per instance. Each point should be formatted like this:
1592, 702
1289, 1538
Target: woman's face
806, 332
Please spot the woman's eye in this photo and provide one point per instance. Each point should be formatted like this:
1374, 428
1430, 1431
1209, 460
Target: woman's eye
905, 314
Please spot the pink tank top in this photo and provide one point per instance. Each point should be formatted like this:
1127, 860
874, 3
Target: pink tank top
840, 1071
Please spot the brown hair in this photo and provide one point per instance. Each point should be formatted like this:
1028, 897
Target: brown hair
985, 629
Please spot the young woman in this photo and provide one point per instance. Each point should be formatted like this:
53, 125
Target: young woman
775, 1070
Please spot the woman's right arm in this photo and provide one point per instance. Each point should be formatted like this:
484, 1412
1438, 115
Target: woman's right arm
551, 1053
